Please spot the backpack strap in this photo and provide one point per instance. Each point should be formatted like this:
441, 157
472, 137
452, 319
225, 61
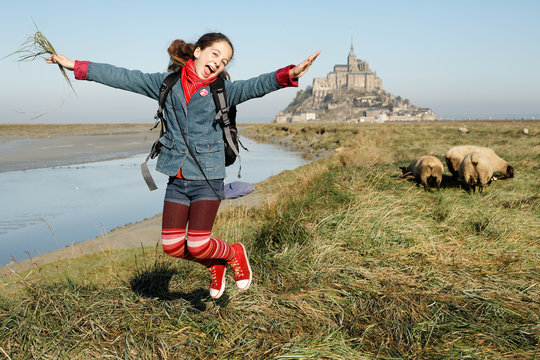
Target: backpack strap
164, 90
217, 87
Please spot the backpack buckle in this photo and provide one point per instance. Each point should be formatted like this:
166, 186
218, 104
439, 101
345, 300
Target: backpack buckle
158, 119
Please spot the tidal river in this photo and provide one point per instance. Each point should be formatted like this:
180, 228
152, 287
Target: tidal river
46, 209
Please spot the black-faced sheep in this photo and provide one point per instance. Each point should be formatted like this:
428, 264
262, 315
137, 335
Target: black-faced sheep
455, 156
426, 170
475, 169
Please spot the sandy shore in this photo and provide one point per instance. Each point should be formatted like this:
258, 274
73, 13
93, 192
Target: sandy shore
26, 153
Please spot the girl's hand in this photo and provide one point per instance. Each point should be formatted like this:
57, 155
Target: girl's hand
61, 60
300, 69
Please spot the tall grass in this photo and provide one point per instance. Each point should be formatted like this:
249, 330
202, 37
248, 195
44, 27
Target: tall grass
350, 262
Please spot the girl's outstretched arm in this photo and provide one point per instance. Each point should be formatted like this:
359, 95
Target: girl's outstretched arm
300, 69
120, 78
243, 90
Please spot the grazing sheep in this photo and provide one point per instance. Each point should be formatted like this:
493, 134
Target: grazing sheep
475, 169
463, 130
525, 131
426, 169
455, 156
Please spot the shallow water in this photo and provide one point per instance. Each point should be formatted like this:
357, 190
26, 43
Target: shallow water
46, 209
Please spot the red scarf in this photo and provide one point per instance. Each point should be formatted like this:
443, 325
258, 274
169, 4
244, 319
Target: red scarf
191, 81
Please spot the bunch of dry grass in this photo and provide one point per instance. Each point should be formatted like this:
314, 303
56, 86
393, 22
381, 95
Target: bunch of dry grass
38, 46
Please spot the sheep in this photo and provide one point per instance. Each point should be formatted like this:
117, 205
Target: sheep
455, 156
426, 169
475, 169
463, 130
525, 131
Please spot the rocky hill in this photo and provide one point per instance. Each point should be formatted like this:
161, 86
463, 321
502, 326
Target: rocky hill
351, 93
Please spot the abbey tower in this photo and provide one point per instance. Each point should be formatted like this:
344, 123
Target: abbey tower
355, 75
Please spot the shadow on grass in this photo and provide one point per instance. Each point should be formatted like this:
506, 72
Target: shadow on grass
154, 284
448, 181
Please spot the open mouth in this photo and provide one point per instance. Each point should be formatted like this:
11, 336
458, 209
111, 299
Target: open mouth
209, 70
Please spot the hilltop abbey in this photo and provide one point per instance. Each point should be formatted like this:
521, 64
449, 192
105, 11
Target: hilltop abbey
355, 75
351, 93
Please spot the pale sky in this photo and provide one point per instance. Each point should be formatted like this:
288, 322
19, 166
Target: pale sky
461, 58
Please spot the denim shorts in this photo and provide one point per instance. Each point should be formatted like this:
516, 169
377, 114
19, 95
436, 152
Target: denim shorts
186, 192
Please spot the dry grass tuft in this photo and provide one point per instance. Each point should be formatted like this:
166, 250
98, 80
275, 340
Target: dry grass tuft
38, 46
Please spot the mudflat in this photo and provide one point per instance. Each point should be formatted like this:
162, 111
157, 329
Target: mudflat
28, 146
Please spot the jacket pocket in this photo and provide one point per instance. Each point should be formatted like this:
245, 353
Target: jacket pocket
166, 154
207, 147
167, 140
208, 154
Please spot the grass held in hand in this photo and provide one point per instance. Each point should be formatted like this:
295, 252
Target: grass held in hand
38, 46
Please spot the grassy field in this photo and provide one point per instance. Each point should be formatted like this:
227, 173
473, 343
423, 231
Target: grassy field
351, 262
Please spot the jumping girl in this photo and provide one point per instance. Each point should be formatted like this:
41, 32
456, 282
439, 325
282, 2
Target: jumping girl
191, 203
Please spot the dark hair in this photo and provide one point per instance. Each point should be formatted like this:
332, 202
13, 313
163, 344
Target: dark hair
181, 51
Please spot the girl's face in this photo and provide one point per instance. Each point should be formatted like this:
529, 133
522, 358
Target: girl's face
211, 61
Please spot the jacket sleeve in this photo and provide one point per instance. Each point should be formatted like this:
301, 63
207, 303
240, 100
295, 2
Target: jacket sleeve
243, 90
120, 78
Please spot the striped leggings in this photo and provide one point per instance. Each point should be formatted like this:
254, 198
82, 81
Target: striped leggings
194, 242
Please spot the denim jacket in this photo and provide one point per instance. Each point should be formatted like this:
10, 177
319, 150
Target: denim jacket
196, 119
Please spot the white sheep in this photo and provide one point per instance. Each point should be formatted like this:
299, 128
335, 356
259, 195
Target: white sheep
525, 131
455, 156
475, 169
425, 169
463, 130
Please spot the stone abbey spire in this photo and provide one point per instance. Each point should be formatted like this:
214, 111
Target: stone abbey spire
352, 57
355, 75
